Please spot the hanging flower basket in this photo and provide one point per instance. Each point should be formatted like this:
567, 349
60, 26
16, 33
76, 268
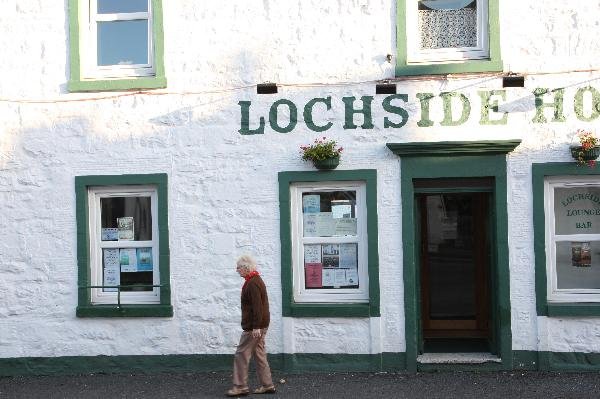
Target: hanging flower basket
323, 153
588, 151
582, 156
327, 163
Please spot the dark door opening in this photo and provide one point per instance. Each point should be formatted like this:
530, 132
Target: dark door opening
454, 260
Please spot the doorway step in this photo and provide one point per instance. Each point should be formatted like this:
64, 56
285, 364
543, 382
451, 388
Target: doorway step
458, 358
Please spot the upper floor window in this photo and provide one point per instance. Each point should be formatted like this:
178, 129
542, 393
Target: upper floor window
447, 36
116, 44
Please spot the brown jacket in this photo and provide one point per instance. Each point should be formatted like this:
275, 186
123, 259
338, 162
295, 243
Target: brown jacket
255, 305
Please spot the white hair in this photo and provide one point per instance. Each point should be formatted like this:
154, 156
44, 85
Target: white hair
246, 262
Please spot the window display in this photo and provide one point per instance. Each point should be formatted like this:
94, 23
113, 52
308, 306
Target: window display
330, 244
573, 213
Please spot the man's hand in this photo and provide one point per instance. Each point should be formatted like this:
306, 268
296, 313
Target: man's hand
256, 333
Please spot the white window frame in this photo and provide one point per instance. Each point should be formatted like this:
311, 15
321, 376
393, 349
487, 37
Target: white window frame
96, 245
89, 19
337, 295
556, 295
415, 55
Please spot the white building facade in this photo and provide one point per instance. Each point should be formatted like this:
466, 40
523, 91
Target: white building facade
145, 145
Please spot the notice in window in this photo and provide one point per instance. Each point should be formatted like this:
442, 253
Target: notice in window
348, 256
111, 269
320, 224
339, 278
125, 228
313, 275
128, 260
311, 203
340, 211
345, 227
110, 234
312, 253
144, 259
328, 277
351, 277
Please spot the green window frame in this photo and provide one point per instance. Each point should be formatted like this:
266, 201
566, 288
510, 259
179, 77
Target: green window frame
79, 82
85, 307
540, 172
492, 63
290, 308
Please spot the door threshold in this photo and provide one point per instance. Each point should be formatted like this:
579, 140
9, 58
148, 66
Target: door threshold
458, 358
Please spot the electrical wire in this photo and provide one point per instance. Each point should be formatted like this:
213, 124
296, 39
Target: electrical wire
121, 94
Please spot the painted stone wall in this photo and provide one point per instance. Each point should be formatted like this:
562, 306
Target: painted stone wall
223, 192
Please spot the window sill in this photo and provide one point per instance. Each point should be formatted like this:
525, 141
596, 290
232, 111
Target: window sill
573, 309
125, 311
474, 66
158, 82
329, 310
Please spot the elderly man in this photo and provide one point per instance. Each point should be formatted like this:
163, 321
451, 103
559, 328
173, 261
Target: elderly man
255, 321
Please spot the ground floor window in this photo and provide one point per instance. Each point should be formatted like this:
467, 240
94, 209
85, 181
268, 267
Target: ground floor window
123, 245
329, 242
329, 250
572, 211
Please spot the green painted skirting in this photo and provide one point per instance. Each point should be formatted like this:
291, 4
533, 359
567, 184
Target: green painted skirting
305, 362
291, 363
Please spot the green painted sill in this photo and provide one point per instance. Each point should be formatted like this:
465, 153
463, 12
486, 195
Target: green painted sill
158, 82
125, 311
573, 309
475, 66
329, 310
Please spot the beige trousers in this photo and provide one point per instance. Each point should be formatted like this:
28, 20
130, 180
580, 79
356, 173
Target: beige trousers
247, 348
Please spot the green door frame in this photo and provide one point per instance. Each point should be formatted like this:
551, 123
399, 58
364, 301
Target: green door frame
432, 160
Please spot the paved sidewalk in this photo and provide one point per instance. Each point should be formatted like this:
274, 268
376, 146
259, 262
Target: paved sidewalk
515, 384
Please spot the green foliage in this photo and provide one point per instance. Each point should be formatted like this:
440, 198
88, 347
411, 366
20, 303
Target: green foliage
320, 150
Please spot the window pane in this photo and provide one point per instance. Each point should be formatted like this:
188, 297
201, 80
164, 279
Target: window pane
331, 266
127, 266
447, 23
126, 219
122, 6
123, 42
329, 214
577, 210
578, 265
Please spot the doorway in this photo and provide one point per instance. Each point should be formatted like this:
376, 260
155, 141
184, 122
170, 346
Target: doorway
454, 234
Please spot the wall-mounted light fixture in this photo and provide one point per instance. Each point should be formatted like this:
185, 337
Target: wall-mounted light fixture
513, 80
385, 88
266, 88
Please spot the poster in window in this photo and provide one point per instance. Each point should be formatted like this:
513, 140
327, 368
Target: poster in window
331, 249
111, 272
311, 203
328, 278
110, 234
331, 261
128, 259
144, 259
312, 253
339, 278
348, 258
313, 275
351, 277
125, 228
581, 254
